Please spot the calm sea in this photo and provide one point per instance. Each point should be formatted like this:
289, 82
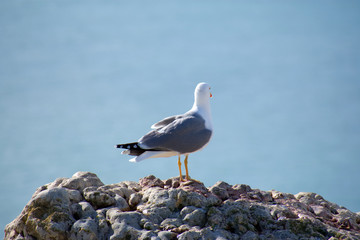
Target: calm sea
76, 78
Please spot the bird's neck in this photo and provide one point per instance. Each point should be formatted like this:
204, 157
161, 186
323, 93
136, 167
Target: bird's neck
201, 101
204, 111
202, 108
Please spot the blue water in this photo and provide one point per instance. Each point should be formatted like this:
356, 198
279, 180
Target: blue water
78, 77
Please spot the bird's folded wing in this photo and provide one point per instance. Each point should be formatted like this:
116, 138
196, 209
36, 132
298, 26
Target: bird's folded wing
164, 122
184, 134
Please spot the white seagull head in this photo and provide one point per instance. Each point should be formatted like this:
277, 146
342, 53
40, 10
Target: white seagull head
202, 95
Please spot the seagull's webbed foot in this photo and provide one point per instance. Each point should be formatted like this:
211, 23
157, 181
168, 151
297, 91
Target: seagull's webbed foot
193, 180
187, 177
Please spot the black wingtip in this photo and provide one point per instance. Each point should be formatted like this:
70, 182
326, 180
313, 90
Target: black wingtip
133, 145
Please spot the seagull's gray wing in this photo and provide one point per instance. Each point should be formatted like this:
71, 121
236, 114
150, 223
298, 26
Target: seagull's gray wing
185, 134
164, 122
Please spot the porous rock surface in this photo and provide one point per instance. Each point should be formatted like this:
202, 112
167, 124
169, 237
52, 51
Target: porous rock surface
82, 207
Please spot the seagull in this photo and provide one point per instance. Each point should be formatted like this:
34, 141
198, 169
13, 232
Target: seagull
177, 135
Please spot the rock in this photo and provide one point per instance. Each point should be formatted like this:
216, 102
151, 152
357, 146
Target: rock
280, 195
46, 216
83, 210
172, 182
189, 235
223, 235
282, 212
114, 215
170, 223
322, 212
260, 217
151, 181
220, 189
194, 186
249, 235
134, 199
212, 200
84, 229
193, 216
284, 234
157, 214
82, 207
131, 185
159, 198
147, 235
117, 189
81, 180
104, 228
123, 231
166, 235
194, 199
74, 195
215, 218
98, 198
311, 198
121, 203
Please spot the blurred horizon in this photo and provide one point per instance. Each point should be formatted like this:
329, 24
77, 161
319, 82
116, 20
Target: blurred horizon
76, 78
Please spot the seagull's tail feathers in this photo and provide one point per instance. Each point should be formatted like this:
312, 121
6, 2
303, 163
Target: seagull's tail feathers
135, 149
153, 154
131, 148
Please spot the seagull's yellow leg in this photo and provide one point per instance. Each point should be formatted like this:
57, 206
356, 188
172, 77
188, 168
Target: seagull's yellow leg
179, 163
186, 167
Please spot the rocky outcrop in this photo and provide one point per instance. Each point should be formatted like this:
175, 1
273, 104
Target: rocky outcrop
82, 207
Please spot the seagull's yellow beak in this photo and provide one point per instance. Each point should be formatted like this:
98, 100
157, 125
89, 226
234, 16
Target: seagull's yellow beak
210, 95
